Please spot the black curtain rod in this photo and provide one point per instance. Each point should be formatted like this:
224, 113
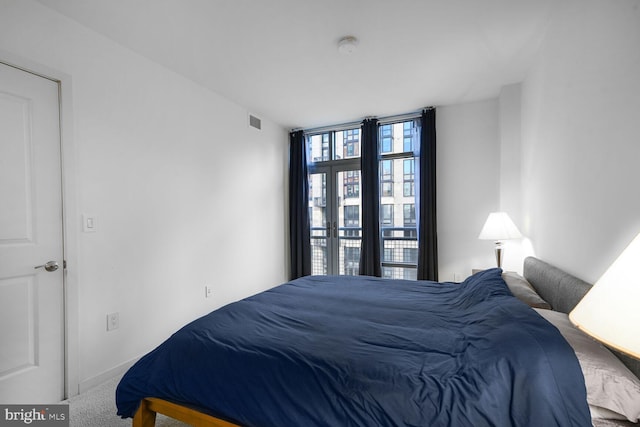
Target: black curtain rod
351, 125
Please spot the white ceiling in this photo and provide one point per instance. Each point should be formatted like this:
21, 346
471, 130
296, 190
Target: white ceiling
279, 58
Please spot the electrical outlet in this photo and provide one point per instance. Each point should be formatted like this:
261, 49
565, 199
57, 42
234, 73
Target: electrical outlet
113, 321
208, 291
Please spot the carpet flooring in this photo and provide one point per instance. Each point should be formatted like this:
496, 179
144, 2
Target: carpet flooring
97, 408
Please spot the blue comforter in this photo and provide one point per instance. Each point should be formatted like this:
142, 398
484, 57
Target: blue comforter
362, 351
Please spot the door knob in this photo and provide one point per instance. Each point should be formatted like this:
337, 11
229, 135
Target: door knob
50, 266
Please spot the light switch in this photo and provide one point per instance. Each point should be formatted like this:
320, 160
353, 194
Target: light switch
89, 223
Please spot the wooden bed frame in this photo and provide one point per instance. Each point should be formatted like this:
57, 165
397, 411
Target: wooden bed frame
560, 289
146, 415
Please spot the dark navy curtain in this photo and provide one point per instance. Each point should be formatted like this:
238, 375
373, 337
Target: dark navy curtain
370, 197
299, 231
426, 203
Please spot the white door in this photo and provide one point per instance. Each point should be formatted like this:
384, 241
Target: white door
31, 299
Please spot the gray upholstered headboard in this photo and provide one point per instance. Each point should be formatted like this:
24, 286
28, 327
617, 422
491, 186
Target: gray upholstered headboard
563, 291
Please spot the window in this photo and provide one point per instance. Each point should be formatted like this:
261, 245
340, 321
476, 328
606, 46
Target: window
320, 151
334, 201
328, 146
397, 194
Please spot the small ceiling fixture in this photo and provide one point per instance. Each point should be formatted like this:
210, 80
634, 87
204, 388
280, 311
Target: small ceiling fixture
347, 45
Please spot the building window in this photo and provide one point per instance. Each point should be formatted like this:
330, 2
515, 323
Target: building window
386, 138
351, 261
352, 184
408, 136
408, 177
352, 216
410, 255
325, 147
352, 221
409, 217
386, 215
386, 178
351, 143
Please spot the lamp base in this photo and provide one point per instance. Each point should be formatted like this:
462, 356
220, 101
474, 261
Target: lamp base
499, 251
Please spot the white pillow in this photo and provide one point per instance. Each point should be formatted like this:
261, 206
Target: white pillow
603, 413
610, 384
523, 290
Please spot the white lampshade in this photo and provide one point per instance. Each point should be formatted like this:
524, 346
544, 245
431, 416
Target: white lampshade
610, 311
499, 227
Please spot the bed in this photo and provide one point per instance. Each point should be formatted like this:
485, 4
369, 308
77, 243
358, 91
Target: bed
362, 351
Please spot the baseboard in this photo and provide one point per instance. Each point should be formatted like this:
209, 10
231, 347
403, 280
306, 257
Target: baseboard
89, 383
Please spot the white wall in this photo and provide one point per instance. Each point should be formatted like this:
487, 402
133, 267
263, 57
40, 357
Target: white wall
581, 136
186, 194
510, 117
468, 185
510, 151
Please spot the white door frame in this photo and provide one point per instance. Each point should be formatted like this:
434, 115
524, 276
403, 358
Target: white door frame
70, 217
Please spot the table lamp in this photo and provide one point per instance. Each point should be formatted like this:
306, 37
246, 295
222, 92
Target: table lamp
499, 227
609, 312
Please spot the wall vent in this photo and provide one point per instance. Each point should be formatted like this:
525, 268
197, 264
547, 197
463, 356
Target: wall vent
255, 122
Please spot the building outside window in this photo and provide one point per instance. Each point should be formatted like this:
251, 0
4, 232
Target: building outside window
352, 184
351, 144
352, 221
408, 133
409, 217
408, 177
386, 139
386, 215
386, 178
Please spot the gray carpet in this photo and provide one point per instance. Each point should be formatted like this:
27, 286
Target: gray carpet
97, 408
